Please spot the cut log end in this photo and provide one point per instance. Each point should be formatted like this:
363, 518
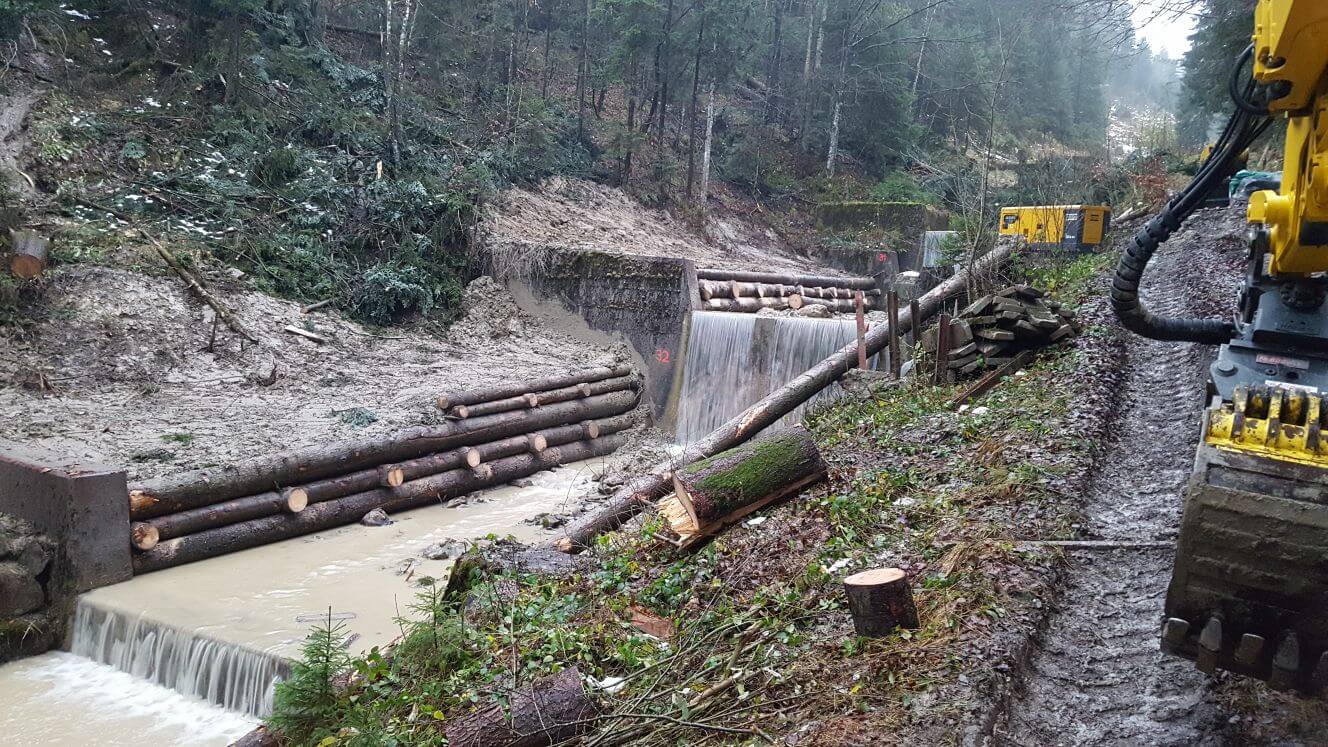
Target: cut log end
532, 400
297, 499
537, 442
880, 600
590, 429
460, 411
29, 254
679, 514
141, 500
471, 456
391, 476
144, 536
794, 301
444, 403
482, 472
584, 389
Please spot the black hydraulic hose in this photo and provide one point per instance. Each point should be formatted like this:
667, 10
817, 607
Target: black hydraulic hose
1241, 130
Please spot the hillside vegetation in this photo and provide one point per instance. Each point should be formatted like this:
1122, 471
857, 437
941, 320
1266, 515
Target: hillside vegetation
344, 150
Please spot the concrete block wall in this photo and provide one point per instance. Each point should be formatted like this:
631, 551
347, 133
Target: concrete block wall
644, 302
83, 508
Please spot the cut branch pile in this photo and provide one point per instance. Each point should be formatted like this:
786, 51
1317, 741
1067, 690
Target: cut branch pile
749, 292
992, 330
713, 493
205, 513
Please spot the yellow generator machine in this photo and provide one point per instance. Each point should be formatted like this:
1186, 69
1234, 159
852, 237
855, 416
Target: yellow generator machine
1078, 228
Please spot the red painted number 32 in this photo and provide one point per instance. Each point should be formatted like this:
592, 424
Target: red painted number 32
662, 355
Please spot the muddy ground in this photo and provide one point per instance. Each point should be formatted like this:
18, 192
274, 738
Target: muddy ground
569, 213
129, 369
1095, 675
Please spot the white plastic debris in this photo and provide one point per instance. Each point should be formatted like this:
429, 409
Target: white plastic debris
756, 522
610, 685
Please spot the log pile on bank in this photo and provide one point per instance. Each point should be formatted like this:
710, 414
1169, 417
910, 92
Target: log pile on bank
204, 513
749, 292
992, 330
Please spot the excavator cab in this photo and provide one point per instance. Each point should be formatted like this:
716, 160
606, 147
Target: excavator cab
1249, 592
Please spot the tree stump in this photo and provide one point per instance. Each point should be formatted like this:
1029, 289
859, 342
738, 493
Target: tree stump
545, 712
29, 254
880, 600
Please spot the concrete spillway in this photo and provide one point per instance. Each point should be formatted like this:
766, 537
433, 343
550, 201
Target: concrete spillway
733, 360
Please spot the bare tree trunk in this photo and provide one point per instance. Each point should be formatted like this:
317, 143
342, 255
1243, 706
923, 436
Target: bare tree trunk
811, 43
834, 142
583, 76
709, 141
922, 50
691, 109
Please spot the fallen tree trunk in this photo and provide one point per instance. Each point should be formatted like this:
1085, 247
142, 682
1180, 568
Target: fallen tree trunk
751, 305
29, 249
488, 394
712, 493
808, 293
208, 486
858, 283
351, 508
228, 512
548, 711
591, 389
635, 495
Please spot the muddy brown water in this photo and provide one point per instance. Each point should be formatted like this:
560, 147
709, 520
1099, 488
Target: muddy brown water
1097, 676
150, 653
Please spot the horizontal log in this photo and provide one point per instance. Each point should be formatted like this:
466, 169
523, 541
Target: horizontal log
488, 394
294, 500
349, 509
604, 386
228, 512
749, 305
859, 283
213, 485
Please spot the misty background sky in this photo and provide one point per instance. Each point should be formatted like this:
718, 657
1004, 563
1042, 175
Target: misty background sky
1165, 31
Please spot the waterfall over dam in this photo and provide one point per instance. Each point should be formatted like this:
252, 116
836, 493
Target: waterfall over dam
733, 360
218, 672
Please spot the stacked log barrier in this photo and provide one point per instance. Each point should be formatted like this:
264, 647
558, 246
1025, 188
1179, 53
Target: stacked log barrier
349, 509
210, 486
296, 499
749, 292
214, 511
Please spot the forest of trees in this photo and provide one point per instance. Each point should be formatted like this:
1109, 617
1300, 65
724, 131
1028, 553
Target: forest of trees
395, 120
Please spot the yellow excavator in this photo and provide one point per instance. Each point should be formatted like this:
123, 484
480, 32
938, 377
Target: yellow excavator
1249, 592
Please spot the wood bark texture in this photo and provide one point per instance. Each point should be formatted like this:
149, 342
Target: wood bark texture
488, 394
349, 509
548, 711
636, 494
228, 512
772, 277
30, 250
880, 600
208, 486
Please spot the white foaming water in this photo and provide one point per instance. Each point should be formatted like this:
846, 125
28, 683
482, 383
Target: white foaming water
221, 673
733, 360
62, 699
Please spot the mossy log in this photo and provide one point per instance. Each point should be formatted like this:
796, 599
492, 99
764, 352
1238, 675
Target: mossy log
714, 492
213, 485
350, 509
633, 497
489, 394
548, 711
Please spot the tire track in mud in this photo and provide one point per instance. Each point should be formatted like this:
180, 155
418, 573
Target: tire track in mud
1096, 676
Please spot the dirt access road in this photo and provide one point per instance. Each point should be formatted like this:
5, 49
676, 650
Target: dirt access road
1097, 676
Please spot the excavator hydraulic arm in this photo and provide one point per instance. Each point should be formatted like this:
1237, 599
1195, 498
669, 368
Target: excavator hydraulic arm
1249, 592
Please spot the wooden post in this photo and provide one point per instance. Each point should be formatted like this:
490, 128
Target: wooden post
880, 600
29, 254
892, 313
858, 302
942, 350
914, 329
